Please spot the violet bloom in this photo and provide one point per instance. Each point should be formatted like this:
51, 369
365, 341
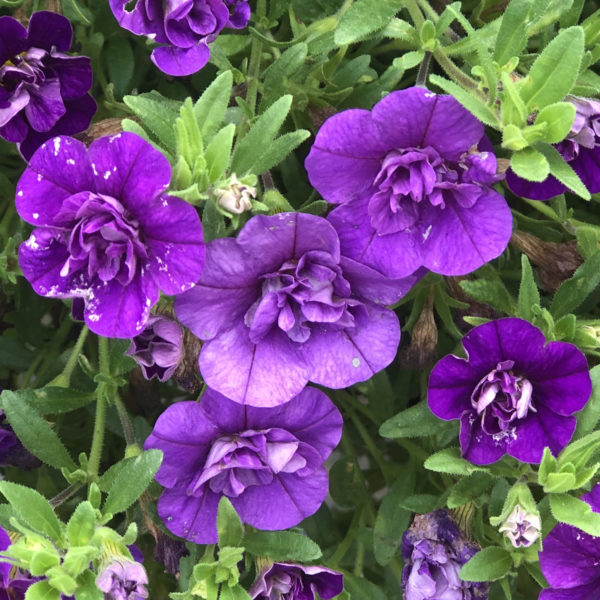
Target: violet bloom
159, 348
105, 230
570, 560
413, 179
521, 528
185, 27
267, 461
434, 550
43, 91
283, 581
279, 306
514, 394
123, 579
581, 149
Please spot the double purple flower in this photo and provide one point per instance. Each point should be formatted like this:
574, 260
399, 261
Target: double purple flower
43, 91
280, 306
413, 180
184, 28
267, 461
105, 231
514, 393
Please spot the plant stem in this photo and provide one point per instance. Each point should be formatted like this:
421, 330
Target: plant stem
455, 73
65, 495
100, 422
370, 444
64, 378
128, 431
421, 80
415, 12
345, 544
255, 57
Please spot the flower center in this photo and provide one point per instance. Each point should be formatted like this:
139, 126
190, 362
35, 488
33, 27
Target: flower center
305, 291
105, 240
26, 67
502, 397
238, 461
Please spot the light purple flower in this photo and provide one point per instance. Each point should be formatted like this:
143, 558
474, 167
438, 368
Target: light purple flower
279, 306
413, 178
159, 348
105, 231
521, 528
514, 394
434, 550
581, 149
123, 579
284, 581
43, 91
570, 560
267, 461
183, 27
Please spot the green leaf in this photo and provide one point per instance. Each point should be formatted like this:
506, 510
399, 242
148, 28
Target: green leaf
469, 488
529, 294
574, 291
578, 453
229, 524
364, 17
562, 170
512, 35
76, 13
42, 590
555, 70
213, 222
218, 152
416, 421
560, 482
360, 588
57, 400
282, 545
132, 480
278, 150
120, 62
88, 590
530, 164
490, 291
276, 75
489, 564
81, 525
472, 103
34, 432
421, 504
588, 418
450, 461
209, 110
13, 355
548, 465
33, 509
558, 118
237, 592
572, 511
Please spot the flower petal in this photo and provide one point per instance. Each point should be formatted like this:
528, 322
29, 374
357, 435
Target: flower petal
47, 29
180, 62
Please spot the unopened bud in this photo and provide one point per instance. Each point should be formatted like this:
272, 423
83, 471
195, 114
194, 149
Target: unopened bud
521, 527
236, 198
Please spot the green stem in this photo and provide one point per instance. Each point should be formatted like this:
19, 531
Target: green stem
546, 210
345, 544
415, 13
128, 431
370, 444
255, 58
64, 378
455, 73
100, 422
429, 10
65, 495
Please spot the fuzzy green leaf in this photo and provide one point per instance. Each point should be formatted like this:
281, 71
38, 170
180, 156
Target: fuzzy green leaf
364, 17
282, 545
574, 291
489, 564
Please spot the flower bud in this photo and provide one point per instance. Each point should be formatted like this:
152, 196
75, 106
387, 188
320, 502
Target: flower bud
237, 197
521, 527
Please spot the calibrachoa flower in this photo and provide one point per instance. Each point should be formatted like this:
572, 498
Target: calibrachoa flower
434, 550
267, 461
43, 91
123, 580
185, 27
279, 306
570, 560
581, 149
413, 178
514, 394
159, 348
283, 581
105, 231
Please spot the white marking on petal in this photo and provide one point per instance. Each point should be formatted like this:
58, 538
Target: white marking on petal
70, 161
36, 215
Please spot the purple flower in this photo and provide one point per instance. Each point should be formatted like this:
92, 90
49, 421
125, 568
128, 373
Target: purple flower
267, 461
279, 306
514, 394
413, 180
185, 27
43, 91
13, 582
570, 560
283, 581
106, 231
159, 348
123, 579
434, 550
581, 149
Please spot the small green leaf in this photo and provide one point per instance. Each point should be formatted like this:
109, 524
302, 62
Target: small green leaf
120, 61
364, 17
42, 590
450, 461
530, 164
88, 590
416, 421
57, 400
572, 511
512, 35
562, 170
132, 480
282, 545
229, 524
529, 294
558, 119
209, 110
489, 564
33, 509
469, 488
588, 418
548, 465
490, 291
81, 525
560, 482
218, 152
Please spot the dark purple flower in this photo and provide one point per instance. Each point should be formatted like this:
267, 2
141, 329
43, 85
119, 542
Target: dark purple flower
12, 452
514, 394
434, 550
570, 560
279, 306
43, 91
159, 348
581, 149
13, 582
123, 580
184, 27
413, 178
106, 231
267, 461
283, 581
